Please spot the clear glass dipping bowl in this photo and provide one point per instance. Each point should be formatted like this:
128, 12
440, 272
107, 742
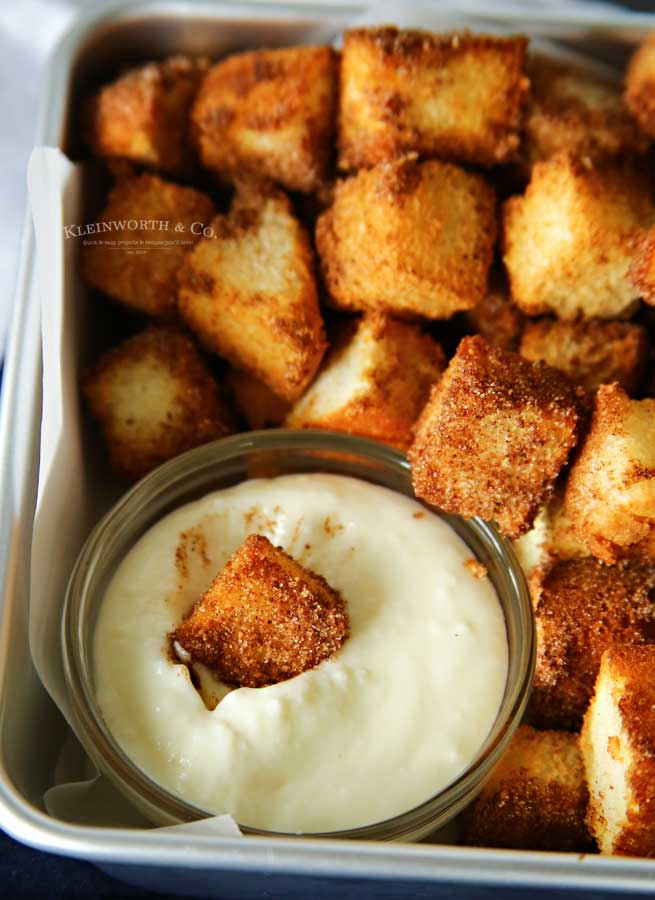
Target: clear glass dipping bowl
264, 454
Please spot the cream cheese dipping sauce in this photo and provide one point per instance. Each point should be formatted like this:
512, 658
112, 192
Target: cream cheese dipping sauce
380, 727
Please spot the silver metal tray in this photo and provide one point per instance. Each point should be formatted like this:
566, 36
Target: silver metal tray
31, 729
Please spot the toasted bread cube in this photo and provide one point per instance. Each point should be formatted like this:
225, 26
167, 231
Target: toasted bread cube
617, 747
494, 435
154, 398
256, 403
265, 618
454, 96
640, 85
248, 291
642, 270
550, 539
143, 116
374, 383
591, 352
569, 240
610, 494
582, 608
498, 319
411, 238
576, 111
269, 113
536, 797
145, 277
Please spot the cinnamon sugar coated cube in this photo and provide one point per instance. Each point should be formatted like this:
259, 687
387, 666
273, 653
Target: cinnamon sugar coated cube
640, 85
494, 435
550, 539
269, 113
258, 405
610, 494
147, 280
642, 269
536, 797
617, 744
410, 238
591, 352
143, 115
569, 240
582, 608
374, 383
575, 110
264, 619
154, 398
454, 96
248, 291
497, 319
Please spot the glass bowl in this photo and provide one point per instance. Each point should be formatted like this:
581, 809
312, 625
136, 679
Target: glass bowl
265, 454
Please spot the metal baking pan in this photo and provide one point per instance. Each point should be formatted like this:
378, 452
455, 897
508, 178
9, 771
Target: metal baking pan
31, 729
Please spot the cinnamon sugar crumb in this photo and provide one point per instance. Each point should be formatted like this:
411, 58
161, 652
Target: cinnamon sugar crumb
418, 515
331, 528
476, 568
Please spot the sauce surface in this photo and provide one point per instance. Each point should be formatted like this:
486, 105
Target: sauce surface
378, 728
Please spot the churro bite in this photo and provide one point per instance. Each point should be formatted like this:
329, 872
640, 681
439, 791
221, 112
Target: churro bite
264, 619
591, 352
577, 111
617, 746
642, 269
497, 319
374, 383
610, 494
551, 538
269, 113
640, 85
536, 797
248, 291
569, 240
453, 96
494, 435
168, 219
410, 238
582, 608
154, 398
143, 115
256, 402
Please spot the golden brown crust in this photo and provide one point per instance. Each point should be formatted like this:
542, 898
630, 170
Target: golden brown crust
569, 240
455, 96
642, 268
154, 398
411, 238
610, 491
494, 436
536, 797
572, 110
640, 85
591, 352
143, 115
146, 281
264, 619
374, 383
248, 291
269, 113
583, 607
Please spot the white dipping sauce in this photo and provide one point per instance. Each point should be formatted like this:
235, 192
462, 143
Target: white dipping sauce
378, 728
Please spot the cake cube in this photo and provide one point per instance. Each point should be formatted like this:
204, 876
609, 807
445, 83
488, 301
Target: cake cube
248, 291
453, 96
610, 494
617, 743
591, 351
143, 116
569, 240
144, 277
574, 110
536, 797
642, 269
550, 539
374, 383
494, 435
640, 85
408, 237
256, 403
582, 608
497, 319
270, 113
264, 619
154, 398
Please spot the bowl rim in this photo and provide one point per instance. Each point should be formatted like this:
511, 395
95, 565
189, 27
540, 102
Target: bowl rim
110, 758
